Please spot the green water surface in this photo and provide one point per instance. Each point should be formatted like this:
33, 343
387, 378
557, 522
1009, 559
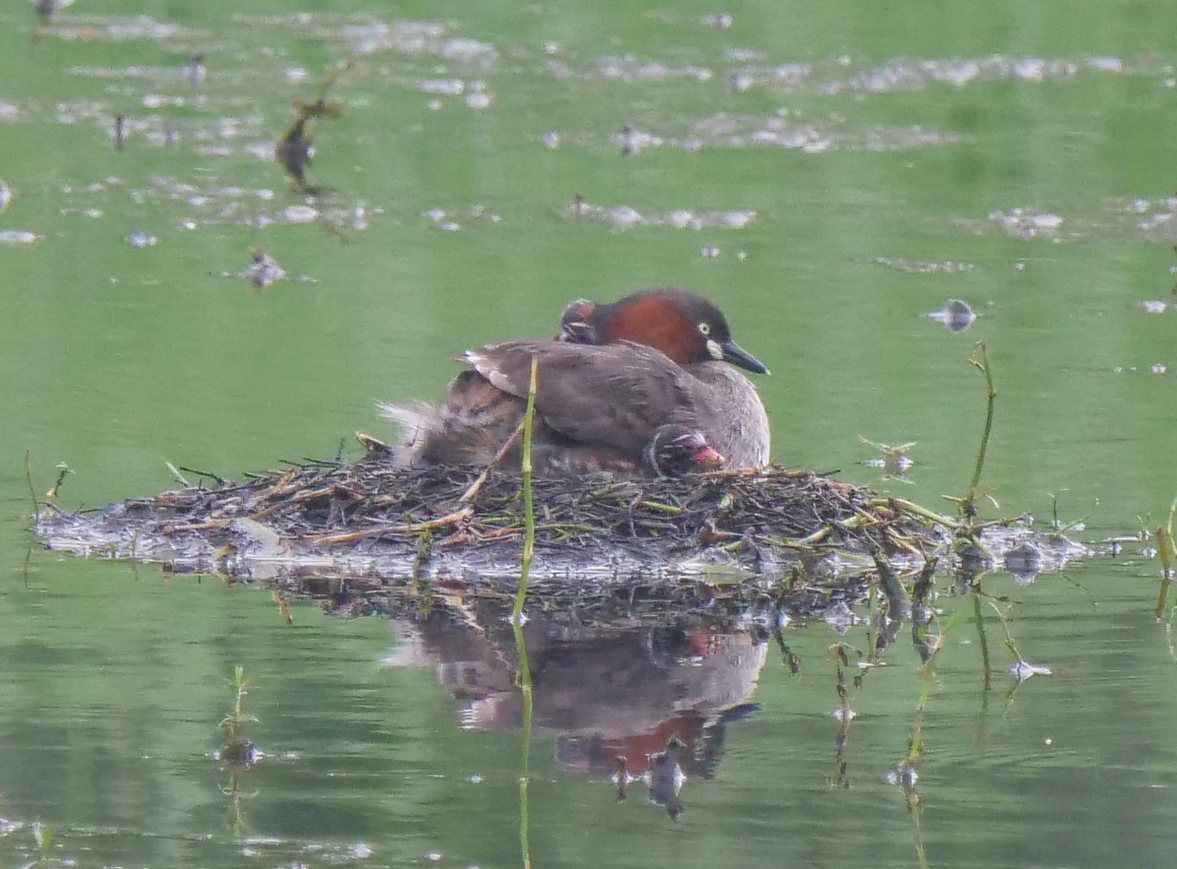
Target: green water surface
851, 167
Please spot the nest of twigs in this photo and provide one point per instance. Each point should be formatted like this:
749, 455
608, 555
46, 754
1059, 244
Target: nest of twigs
373, 519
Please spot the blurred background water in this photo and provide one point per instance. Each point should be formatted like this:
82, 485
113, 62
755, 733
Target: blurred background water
830, 174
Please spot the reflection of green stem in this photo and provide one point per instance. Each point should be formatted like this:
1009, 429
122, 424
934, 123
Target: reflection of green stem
1009, 639
1165, 546
32, 492
984, 641
525, 777
44, 834
1164, 542
916, 748
236, 748
528, 501
921, 853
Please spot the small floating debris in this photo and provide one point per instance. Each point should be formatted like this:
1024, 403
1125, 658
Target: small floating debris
904, 776
300, 214
479, 97
1020, 223
265, 271
359, 217
1023, 670
840, 618
631, 141
1024, 563
194, 71
621, 218
956, 315
16, 236
924, 268
718, 20
5, 196
1148, 306
441, 219
450, 87
894, 460
142, 239
48, 9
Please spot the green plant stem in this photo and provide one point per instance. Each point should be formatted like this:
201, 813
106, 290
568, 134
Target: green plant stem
528, 497
980, 359
983, 640
661, 508
914, 509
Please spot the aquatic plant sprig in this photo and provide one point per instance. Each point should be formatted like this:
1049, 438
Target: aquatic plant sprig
1057, 525
235, 720
980, 360
238, 753
63, 471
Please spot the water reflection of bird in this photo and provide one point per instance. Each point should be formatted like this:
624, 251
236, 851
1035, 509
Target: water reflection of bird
194, 70
616, 374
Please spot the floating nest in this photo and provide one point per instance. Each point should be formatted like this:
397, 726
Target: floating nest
369, 520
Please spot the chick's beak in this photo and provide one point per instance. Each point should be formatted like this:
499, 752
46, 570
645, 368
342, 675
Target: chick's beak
737, 355
708, 457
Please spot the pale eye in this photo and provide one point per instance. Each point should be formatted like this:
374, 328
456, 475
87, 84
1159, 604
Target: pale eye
705, 328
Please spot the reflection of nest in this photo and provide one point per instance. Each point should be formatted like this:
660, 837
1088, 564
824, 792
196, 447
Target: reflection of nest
370, 519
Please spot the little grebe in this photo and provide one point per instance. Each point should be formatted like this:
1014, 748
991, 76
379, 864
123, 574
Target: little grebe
635, 387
